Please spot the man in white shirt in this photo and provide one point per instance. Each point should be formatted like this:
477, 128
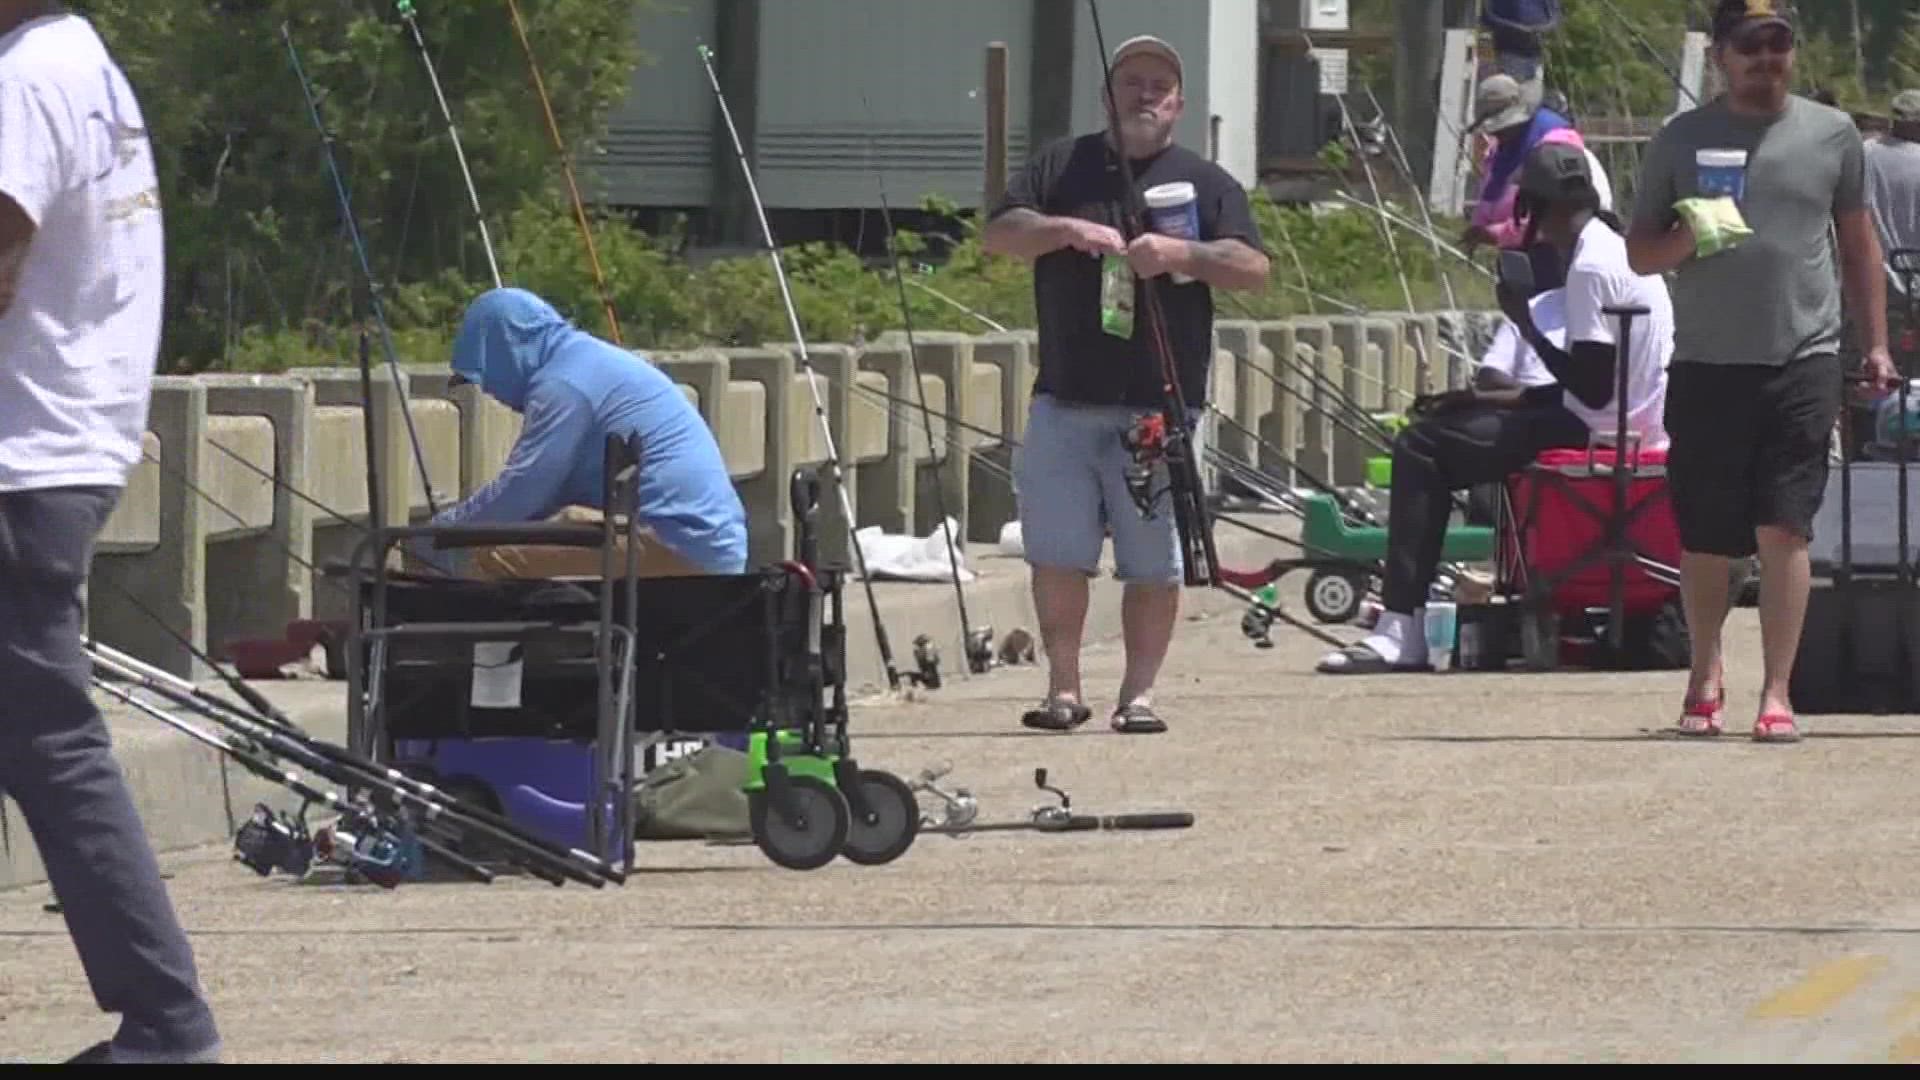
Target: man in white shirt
81, 292
1511, 415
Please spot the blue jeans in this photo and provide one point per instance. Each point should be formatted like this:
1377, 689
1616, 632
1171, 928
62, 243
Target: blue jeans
1069, 476
57, 763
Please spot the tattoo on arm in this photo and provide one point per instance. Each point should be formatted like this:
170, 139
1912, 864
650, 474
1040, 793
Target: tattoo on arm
1229, 263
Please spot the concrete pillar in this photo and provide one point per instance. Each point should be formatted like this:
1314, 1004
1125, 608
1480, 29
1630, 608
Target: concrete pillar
1399, 375
339, 439
1272, 412
169, 577
946, 370
1252, 384
1319, 355
886, 487
834, 365
265, 585
991, 501
766, 494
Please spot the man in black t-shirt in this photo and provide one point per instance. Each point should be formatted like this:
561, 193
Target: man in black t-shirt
1064, 213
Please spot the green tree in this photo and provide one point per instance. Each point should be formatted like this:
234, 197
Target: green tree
255, 232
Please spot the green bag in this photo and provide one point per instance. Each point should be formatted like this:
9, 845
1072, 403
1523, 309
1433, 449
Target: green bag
1717, 224
693, 797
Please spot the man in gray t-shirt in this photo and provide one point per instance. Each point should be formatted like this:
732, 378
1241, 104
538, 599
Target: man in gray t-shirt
1893, 191
1755, 386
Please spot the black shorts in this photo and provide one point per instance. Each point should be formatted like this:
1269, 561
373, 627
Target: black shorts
1749, 448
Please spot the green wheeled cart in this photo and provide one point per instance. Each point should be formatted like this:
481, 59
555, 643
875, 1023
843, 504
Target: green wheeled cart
1346, 559
808, 800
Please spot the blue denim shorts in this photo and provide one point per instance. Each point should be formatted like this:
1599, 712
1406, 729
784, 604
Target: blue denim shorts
1069, 476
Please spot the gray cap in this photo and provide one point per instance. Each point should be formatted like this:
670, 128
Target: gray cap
1906, 107
1498, 104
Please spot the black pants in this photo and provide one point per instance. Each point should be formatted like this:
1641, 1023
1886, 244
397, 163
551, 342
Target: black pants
1750, 445
1473, 444
57, 764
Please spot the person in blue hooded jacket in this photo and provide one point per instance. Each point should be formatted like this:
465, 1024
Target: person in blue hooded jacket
573, 391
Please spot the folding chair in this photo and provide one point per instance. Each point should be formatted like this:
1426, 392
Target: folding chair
1588, 542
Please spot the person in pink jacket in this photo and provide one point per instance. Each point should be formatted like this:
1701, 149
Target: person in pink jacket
1514, 126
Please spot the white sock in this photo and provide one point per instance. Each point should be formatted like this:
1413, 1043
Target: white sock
1400, 639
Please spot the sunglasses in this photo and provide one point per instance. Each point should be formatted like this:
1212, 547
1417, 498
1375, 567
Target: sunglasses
1773, 40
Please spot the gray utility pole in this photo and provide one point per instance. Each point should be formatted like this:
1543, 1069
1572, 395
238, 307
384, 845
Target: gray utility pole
1419, 37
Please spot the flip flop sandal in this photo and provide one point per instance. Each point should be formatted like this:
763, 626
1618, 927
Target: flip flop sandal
1358, 659
1703, 717
1775, 727
1056, 715
1138, 719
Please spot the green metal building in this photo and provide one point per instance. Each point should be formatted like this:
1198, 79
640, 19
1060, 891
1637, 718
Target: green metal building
828, 93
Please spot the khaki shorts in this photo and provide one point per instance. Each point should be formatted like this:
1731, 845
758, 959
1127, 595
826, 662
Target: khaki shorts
523, 561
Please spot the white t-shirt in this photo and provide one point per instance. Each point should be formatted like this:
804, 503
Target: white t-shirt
79, 343
1598, 278
1510, 354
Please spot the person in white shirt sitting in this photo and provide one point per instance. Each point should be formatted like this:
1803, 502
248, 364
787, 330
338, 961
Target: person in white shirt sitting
1547, 382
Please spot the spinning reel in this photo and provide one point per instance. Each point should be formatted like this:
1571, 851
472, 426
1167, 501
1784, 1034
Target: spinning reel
962, 810
961, 807
926, 657
269, 842
1146, 443
358, 843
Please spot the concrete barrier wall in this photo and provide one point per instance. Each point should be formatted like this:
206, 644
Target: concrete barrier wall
251, 485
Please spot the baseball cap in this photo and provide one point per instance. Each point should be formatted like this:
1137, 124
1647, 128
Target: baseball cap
1498, 104
1735, 16
1556, 171
1906, 107
1148, 45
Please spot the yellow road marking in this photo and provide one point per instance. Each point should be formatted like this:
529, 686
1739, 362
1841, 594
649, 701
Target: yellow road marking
1820, 990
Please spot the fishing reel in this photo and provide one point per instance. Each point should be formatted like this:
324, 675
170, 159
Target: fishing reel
269, 842
980, 651
382, 856
961, 807
926, 657
1146, 443
1257, 626
1056, 817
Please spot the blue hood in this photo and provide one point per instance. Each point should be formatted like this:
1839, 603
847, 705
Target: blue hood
508, 335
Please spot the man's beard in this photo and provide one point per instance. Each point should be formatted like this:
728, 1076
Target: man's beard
1762, 85
1143, 130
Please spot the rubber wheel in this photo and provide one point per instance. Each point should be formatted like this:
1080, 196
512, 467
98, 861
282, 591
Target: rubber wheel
1334, 597
890, 825
820, 835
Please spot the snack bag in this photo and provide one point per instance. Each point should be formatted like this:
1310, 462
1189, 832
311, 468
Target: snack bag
1717, 224
1116, 296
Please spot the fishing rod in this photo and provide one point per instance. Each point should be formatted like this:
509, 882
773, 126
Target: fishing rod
1415, 229
383, 849
566, 166
408, 16
1652, 53
951, 302
977, 648
366, 269
813, 377
275, 733
1171, 439
1426, 214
